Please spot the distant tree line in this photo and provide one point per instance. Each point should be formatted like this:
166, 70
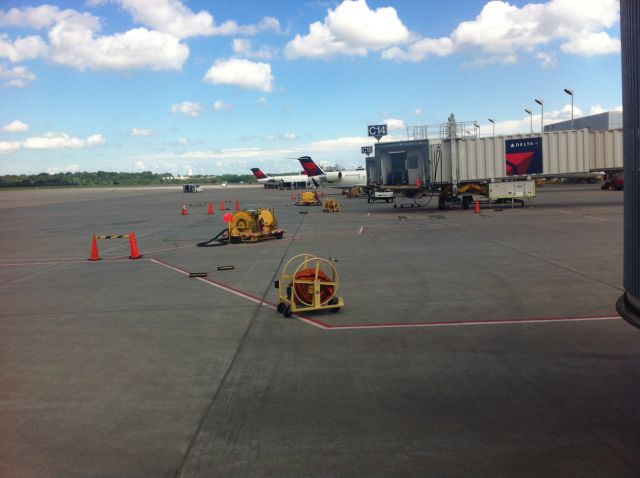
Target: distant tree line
105, 178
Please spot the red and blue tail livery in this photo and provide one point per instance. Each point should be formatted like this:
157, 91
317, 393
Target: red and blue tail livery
258, 174
310, 167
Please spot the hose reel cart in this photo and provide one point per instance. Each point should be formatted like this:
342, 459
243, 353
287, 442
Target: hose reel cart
254, 225
308, 283
248, 225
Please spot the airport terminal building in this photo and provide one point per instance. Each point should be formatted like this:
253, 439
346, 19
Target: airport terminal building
599, 122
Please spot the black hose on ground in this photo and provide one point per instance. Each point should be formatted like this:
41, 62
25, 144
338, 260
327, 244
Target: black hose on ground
222, 239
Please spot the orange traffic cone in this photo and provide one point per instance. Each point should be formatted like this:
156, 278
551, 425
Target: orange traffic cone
210, 211
237, 205
135, 253
293, 195
222, 205
95, 256
184, 210
477, 208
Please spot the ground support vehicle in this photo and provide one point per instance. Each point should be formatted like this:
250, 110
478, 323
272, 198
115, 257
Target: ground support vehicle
380, 195
192, 188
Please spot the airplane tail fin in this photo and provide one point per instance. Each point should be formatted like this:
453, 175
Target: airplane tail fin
311, 168
258, 174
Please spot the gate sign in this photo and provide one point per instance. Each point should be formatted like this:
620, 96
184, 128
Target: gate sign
366, 150
523, 156
377, 130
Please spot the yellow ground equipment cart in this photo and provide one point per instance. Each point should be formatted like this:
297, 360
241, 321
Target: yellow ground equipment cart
355, 192
308, 283
247, 226
309, 198
331, 205
254, 225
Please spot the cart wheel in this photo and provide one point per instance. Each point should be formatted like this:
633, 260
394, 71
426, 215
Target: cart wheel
279, 235
287, 311
281, 306
336, 310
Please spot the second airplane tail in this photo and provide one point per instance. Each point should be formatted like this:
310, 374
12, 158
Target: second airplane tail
258, 174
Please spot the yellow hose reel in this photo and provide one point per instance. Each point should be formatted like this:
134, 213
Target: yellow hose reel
308, 283
254, 225
331, 205
309, 198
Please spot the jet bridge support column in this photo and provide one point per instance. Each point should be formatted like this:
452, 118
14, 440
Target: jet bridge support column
629, 304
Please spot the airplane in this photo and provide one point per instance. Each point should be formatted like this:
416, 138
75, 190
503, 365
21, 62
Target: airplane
283, 181
339, 179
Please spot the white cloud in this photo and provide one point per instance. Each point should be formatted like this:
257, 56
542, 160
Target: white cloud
262, 101
341, 144
240, 72
187, 108
174, 18
417, 112
170, 16
220, 105
599, 43
243, 47
547, 60
57, 140
16, 77
71, 168
53, 140
7, 147
420, 49
139, 165
16, 126
78, 47
289, 136
45, 16
329, 151
141, 132
95, 140
480, 61
394, 124
74, 41
22, 49
351, 29
501, 30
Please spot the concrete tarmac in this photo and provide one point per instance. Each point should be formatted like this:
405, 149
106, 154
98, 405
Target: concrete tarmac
469, 345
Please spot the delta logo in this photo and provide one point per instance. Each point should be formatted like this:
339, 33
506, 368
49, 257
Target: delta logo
524, 157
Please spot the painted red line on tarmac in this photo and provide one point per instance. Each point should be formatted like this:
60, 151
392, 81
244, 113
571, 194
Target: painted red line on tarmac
239, 293
45, 259
391, 325
468, 322
72, 261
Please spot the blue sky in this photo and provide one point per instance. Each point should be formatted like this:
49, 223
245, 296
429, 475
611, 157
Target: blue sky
222, 86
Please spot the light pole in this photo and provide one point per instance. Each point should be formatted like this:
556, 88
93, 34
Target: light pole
541, 103
569, 91
530, 113
493, 126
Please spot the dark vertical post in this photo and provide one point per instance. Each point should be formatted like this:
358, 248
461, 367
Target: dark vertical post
629, 304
